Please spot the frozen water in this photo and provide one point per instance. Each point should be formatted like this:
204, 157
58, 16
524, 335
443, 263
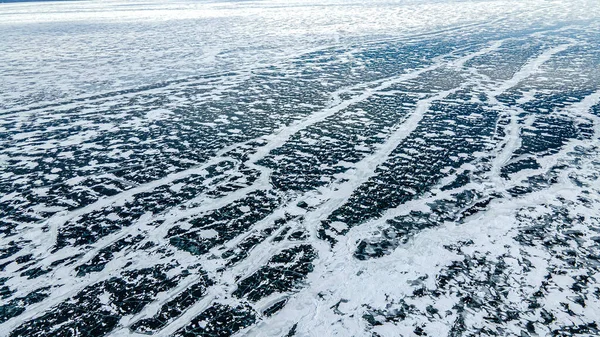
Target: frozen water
300, 168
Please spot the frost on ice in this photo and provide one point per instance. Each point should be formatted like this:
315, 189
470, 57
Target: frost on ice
393, 168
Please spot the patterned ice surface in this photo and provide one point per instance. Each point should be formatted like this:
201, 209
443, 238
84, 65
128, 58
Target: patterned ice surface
309, 168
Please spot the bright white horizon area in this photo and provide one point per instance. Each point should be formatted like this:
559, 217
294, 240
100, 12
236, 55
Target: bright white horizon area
56, 50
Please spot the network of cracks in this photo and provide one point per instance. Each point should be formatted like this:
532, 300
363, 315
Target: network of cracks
445, 185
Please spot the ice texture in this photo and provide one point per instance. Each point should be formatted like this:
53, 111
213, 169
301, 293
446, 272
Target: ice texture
300, 168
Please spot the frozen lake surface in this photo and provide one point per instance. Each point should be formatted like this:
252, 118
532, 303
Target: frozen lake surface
300, 168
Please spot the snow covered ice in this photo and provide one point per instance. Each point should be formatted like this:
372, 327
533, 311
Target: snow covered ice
300, 168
